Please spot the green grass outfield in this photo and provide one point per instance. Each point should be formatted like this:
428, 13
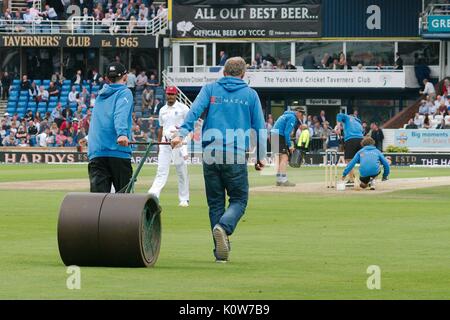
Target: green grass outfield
288, 246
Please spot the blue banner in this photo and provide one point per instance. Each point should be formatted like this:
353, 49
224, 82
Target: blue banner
430, 139
439, 24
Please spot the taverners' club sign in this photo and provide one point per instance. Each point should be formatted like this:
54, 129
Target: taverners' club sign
75, 41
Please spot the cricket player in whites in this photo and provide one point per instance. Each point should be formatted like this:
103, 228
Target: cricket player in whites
171, 117
369, 158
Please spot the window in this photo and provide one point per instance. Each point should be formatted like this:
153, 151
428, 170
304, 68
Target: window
412, 51
274, 51
370, 53
317, 49
243, 50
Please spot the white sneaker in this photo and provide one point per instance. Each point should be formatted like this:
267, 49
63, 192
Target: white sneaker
184, 203
222, 247
372, 184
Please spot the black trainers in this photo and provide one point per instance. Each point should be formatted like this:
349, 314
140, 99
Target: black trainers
222, 244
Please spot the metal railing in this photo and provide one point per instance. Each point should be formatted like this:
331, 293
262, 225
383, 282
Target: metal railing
181, 96
439, 9
84, 25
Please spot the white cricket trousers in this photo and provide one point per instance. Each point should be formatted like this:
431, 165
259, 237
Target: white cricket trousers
165, 157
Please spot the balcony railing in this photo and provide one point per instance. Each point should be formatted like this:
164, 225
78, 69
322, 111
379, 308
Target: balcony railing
367, 78
82, 25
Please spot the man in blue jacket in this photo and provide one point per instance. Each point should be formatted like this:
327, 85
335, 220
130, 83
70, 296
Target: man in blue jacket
233, 115
109, 134
369, 158
281, 136
353, 135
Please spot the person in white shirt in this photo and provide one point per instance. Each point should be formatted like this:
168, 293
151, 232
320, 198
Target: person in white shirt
171, 117
42, 95
41, 138
73, 95
429, 89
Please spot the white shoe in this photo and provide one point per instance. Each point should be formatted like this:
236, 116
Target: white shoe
372, 184
184, 203
221, 240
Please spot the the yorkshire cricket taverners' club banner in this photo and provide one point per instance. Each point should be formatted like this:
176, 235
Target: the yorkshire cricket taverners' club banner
247, 19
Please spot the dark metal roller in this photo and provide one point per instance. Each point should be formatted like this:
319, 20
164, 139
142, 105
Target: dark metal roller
117, 230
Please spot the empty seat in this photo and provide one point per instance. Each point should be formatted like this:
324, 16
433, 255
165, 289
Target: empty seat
65, 88
31, 105
438, 117
46, 82
16, 81
67, 82
21, 105
53, 99
38, 82
24, 93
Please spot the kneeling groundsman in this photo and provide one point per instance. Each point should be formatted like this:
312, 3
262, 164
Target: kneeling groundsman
369, 158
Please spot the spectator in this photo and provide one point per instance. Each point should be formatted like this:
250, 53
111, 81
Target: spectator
95, 77
78, 79
290, 66
141, 80
429, 89
157, 106
92, 100
147, 98
335, 65
50, 13
132, 24
442, 125
153, 82
322, 118
398, 62
53, 90
32, 132
142, 22
423, 108
309, 62
83, 97
10, 141
25, 83
56, 115
418, 120
42, 95
253, 66
28, 116
6, 84
426, 122
411, 124
33, 92
223, 58
266, 65
446, 87
271, 59
41, 139
131, 80
280, 64
442, 110
73, 95
342, 64
422, 71
377, 135
366, 128
325, 62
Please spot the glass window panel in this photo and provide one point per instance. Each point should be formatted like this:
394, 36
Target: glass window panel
370, 53
10, 60
317, 49
277, 51
412, 51
144, 60
243, 50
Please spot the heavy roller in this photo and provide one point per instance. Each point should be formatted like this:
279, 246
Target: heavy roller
120, 229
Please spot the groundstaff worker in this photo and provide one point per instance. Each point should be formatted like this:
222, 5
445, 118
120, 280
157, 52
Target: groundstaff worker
231, 109
109, 133
353, 135
281, 135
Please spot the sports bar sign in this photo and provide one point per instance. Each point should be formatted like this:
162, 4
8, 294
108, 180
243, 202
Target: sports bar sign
307, 79
249, 19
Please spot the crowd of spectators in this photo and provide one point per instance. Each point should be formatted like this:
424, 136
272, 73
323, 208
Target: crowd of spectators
328, 62
67, 125
323, 136
110, 15
434, 109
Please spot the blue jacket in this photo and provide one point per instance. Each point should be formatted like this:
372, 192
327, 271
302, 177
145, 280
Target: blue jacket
284, 125
230, 105
369, 159
111, 118
352, 126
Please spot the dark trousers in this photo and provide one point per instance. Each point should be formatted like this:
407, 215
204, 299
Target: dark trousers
104, 171
220, 180
5, 93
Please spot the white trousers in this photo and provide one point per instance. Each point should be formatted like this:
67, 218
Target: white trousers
165, 157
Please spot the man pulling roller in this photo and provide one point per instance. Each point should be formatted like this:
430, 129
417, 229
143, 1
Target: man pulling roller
109, 152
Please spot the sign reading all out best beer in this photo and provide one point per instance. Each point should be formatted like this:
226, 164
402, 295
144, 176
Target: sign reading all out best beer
78, 41
266, 19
